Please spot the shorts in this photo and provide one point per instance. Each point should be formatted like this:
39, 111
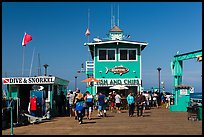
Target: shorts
89, 109
118, 105
101, 107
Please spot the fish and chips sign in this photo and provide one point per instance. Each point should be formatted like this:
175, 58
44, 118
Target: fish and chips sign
112, 82
29, 80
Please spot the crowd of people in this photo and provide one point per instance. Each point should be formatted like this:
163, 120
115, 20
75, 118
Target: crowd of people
82, 105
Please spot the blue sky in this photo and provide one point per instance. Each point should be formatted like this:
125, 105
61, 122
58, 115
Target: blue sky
58, 31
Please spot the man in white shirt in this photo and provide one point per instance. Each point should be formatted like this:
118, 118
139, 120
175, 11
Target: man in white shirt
168, 97
118, 102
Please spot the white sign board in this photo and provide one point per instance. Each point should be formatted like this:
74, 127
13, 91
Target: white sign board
183, 91
29, 80
112, 82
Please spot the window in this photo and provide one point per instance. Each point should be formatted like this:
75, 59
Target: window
102, 54
107, 54
128, 54
132, 54
111, 54
123, 54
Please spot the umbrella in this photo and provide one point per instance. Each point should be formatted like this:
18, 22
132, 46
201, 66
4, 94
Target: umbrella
91, 79
119, 87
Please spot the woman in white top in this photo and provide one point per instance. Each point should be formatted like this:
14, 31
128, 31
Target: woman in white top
168, 101
89, 104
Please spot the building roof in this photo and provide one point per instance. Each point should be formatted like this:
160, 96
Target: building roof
143, 44
92, 44
115, 29
183, 86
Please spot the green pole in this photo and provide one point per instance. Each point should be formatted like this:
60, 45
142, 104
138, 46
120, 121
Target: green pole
11, 120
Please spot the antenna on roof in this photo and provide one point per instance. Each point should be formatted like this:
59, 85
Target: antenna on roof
39, 66
118, 15
111, 16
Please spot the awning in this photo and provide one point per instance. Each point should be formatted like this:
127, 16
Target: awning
119, 87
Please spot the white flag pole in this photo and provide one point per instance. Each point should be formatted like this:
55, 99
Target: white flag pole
88, 35
23, 60
32, 62
88, 22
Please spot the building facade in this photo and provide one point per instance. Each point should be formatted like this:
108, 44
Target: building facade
115, 61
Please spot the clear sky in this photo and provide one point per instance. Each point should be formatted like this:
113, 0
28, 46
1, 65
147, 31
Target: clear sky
58, 31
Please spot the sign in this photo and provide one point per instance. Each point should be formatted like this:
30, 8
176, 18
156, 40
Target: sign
29, 80
192, 90
183, 91
41, 87
117, 70
112, 82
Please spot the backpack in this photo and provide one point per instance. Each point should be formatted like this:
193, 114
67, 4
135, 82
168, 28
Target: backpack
79, 105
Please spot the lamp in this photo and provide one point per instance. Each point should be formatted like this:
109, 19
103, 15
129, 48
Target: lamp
159, 69
75, 82
45, 66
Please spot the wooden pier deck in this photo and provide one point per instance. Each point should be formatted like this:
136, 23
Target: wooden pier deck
155, 122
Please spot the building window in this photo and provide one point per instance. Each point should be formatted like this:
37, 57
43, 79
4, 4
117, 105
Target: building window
128, 54
132, 54
102, 54
111, 54
123, 54
107, 54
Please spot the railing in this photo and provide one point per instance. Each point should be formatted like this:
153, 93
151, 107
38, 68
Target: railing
89, 66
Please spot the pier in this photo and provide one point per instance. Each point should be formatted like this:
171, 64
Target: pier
159, 121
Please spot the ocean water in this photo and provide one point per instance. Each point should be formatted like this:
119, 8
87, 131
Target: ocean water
196, 95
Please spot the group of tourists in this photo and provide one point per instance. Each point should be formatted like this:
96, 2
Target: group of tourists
80, 105
146, 100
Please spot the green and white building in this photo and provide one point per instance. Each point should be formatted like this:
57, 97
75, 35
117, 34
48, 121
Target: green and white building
115, 61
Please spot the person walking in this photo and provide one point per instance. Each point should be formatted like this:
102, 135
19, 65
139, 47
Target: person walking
112, 101
101, 105
155, 100
168, 98
74, 104
118, 102
131, 104
139, 100
79, 101
69, 103
89, 104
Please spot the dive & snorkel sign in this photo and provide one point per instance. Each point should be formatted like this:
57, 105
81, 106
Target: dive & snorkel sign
29, 80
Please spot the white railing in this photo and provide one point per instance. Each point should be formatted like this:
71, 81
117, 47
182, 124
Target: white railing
89, 66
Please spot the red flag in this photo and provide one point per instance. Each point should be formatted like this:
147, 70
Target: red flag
26, 39
87, 32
